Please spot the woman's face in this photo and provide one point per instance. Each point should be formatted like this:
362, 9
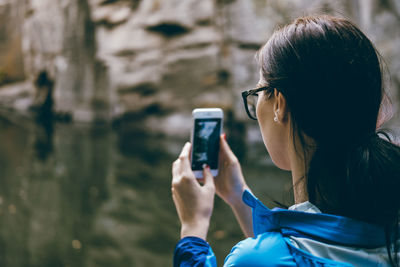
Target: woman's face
275, 134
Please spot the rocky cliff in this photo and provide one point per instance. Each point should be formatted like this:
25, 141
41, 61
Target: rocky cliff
156, 60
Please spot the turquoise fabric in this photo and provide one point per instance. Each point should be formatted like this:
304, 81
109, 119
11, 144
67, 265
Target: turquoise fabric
271, 245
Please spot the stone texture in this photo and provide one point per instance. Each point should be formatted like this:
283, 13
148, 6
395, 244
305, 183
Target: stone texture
11, 56
58, 36
157, 59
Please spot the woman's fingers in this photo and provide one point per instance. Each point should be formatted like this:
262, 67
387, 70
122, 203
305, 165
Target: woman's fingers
226, 151
185, 153
208, 178
182, 164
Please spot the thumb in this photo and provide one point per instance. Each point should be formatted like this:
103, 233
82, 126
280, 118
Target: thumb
208, 177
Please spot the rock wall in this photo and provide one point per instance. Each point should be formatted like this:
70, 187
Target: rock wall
154, 61
11, 66
59, 36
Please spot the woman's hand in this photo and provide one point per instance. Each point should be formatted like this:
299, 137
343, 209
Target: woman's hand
230, 185
230, 182
194, 203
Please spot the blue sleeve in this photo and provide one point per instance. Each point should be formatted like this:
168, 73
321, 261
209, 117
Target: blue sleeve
267, 249
194, 251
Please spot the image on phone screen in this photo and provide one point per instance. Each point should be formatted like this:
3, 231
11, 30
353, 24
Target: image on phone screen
206, 143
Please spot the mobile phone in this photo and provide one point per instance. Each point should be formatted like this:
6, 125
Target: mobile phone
207, 127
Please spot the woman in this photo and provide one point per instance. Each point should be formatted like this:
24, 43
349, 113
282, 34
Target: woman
319, 96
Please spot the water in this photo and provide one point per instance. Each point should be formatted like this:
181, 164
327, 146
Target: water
79, 195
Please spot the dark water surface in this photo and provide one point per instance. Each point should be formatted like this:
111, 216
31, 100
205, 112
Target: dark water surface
78, 195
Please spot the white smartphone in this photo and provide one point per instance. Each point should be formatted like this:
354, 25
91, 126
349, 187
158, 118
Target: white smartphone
207, 127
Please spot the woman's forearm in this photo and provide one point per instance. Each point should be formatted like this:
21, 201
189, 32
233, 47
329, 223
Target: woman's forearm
243, 214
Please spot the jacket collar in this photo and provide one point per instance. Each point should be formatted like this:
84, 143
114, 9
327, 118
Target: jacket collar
319, 226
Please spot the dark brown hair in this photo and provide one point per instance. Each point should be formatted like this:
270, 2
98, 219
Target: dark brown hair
331, 77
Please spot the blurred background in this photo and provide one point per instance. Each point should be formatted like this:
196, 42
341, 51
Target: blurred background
95, 105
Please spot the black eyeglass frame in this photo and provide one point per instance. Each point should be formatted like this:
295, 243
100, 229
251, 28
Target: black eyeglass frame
246, 93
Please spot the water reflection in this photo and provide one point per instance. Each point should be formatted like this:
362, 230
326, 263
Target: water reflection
102, 197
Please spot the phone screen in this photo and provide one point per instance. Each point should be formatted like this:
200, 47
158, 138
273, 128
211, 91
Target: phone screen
206, 143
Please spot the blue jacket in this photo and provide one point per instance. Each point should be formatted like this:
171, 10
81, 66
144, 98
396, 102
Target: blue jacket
271, 245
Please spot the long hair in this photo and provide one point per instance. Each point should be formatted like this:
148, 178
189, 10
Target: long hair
331, 77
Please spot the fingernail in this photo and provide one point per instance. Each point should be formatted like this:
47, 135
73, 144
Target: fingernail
205, 166
224, 136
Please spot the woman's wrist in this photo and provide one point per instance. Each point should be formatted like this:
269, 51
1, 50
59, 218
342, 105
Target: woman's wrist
237, 201
198, 229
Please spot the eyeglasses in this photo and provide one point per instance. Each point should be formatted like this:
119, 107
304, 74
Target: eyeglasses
250, 98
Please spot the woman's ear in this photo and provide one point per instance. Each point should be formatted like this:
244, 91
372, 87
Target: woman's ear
280, 106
